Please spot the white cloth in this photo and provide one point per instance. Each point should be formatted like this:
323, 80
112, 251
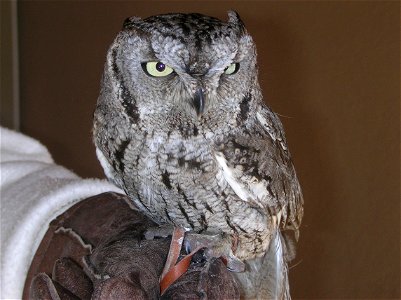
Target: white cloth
34, 190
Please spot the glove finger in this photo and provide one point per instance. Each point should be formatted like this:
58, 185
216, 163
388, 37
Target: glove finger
71, 276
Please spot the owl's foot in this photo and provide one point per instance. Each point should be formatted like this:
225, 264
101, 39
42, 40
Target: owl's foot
216, 245
161, 231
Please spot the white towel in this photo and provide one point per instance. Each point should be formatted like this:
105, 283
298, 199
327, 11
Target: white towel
34, 190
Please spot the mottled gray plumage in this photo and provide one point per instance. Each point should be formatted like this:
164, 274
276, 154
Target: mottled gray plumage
198, 147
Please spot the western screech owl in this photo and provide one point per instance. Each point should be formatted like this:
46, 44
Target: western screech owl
182, 127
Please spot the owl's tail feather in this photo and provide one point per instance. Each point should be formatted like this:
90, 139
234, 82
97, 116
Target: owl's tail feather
267, 277
274, 273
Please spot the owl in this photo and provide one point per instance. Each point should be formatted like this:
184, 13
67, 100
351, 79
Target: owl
182, 127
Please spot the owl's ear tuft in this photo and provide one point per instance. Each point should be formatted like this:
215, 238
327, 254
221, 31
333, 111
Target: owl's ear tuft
131, 22
234, 19
135, 25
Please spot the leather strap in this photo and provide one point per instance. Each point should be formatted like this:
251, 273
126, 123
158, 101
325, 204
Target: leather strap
173, 271
176, 271
175, 248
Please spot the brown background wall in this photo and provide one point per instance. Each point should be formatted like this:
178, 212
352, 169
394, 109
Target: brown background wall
330, 68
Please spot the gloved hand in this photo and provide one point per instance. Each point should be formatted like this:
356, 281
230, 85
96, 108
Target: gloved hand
96, 250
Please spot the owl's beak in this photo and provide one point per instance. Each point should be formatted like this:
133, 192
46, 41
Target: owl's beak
199, 101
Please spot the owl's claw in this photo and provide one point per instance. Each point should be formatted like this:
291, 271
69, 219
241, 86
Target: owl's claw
217, 245
234, 264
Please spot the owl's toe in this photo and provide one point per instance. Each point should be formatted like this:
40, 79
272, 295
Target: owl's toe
161, 231
216, 245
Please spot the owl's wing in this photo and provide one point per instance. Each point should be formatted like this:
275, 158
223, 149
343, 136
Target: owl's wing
285, 187
256, 163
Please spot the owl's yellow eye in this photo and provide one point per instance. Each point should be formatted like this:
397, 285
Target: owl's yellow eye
156, 69
232, 69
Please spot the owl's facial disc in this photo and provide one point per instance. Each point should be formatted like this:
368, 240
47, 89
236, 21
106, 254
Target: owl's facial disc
189, 64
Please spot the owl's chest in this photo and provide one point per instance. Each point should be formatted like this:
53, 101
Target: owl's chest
175, 175
175, 154
180, 181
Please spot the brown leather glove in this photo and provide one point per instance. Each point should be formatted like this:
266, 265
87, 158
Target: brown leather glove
96, 250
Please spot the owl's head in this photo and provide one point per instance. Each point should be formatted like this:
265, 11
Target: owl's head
180, 68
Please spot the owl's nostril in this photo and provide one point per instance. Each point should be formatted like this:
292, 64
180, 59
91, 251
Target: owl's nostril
199, 101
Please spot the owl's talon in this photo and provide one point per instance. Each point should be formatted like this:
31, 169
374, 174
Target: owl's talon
234, 264
187, 247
